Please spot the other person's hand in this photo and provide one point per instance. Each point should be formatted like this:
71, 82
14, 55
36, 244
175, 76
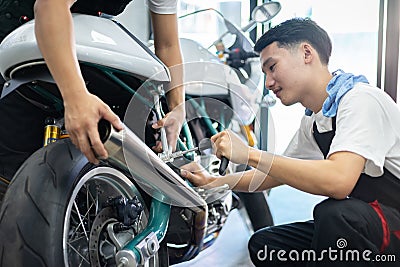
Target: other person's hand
172, 122
81, 119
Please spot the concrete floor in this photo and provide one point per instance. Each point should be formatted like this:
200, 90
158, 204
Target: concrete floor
230, 249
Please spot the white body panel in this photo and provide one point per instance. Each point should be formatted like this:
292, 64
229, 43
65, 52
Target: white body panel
98, 40
206, 76
192, 51
204, 66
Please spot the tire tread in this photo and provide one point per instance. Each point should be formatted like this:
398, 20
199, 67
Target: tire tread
30, 250
29, 196
35, 199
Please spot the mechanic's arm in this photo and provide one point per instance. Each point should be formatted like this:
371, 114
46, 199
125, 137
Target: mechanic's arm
334, 177
246, 181
167, 49
55, 36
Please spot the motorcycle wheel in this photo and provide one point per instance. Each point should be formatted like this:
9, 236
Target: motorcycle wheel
52, 213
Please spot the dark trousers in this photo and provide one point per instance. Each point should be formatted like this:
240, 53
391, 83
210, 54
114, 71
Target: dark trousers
346, 232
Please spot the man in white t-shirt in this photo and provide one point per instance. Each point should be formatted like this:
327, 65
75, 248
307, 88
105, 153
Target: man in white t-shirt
347, 149
22, 124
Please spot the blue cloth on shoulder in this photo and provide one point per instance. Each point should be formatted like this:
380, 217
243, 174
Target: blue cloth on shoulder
337, 87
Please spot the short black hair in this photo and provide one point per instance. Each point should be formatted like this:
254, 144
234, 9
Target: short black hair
295, 31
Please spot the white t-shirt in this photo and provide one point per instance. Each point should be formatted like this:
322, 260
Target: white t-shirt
367, 123
162, 6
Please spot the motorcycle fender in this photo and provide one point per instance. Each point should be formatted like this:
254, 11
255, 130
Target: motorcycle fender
13, 84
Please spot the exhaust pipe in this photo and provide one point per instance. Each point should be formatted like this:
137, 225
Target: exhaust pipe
127, 151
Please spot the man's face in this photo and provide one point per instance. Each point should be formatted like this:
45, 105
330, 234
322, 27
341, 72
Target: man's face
284, 73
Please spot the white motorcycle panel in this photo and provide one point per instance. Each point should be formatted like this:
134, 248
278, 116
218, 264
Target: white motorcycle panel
98, 40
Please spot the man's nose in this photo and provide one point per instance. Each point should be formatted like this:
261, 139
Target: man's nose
269, 82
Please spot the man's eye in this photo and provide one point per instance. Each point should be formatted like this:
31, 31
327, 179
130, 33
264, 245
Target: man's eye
272, 67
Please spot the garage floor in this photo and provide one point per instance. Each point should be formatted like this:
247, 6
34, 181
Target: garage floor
230, 249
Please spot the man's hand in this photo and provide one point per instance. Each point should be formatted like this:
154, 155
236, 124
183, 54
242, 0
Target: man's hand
231, 146
196, 174
172, 122
81, 118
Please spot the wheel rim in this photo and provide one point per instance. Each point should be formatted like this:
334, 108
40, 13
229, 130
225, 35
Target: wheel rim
85, 240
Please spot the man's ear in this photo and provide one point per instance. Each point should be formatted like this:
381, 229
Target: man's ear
308, 52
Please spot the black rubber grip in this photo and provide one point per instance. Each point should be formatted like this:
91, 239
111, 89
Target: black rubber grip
223, 165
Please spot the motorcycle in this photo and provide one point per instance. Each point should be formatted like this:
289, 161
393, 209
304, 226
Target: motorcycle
132, 209
238, 107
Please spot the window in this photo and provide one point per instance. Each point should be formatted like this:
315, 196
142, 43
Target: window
207, 27
353, 28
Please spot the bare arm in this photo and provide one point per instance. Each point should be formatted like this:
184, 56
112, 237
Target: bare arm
167, 49
334, 177
55, 33
247, 181
55, 36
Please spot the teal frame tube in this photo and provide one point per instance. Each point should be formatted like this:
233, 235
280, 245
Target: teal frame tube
204, 115
158, 224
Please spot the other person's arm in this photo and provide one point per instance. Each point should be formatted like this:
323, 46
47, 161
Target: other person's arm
55, 36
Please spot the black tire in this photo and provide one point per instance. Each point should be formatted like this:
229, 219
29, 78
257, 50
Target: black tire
257, 209
37, 216
3, 189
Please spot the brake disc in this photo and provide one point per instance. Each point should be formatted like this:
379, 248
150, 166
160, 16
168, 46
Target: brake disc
99, 244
